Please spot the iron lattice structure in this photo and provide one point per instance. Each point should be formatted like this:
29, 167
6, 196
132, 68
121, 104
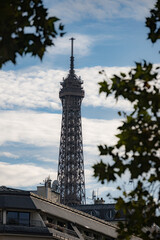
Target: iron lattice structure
71, 165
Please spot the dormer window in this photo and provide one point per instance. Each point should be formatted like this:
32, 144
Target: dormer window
18, 218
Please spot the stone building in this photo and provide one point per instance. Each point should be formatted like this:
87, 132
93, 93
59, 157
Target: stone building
25, 215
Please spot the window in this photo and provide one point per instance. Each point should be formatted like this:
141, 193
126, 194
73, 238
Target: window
110, 214
18, 218
24, 218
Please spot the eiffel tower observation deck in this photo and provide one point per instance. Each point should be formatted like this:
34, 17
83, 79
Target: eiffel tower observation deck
71, 164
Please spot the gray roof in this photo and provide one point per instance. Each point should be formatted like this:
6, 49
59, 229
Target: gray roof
77, 217
4, 189
15, 199
74, 216
102, 211
19, 199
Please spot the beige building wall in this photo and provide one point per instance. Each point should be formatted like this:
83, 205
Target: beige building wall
46, 192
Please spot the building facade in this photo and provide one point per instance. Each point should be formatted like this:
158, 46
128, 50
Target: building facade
103, 211
25, 215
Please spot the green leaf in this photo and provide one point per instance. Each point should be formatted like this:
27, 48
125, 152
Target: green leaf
123, 74
26, 21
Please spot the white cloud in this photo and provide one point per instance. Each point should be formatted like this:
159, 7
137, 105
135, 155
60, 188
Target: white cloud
99, 190
30, 175
89, 150
91, 78
36, 88
8, 155
77, 10
30, 89
96, 131
43, 129
107, 189
23, 175
40, 129
45, 159
81, 47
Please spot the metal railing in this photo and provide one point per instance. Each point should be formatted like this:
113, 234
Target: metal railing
87, 237
62, 229
66, 231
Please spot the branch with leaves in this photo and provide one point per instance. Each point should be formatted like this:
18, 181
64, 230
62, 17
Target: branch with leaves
137, 151
25, 28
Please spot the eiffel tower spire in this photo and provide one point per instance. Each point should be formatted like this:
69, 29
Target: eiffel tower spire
71, 163
72, 57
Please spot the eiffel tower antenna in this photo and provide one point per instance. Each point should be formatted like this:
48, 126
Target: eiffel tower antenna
72, 57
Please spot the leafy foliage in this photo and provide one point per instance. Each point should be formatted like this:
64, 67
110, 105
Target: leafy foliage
25, 28
137, 151
153, 22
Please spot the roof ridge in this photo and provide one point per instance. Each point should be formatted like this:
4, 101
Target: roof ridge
4, 189
73, 210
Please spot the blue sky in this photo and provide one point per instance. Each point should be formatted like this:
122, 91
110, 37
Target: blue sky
110, 35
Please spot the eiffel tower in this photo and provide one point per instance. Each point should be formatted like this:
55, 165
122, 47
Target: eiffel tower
71, 165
